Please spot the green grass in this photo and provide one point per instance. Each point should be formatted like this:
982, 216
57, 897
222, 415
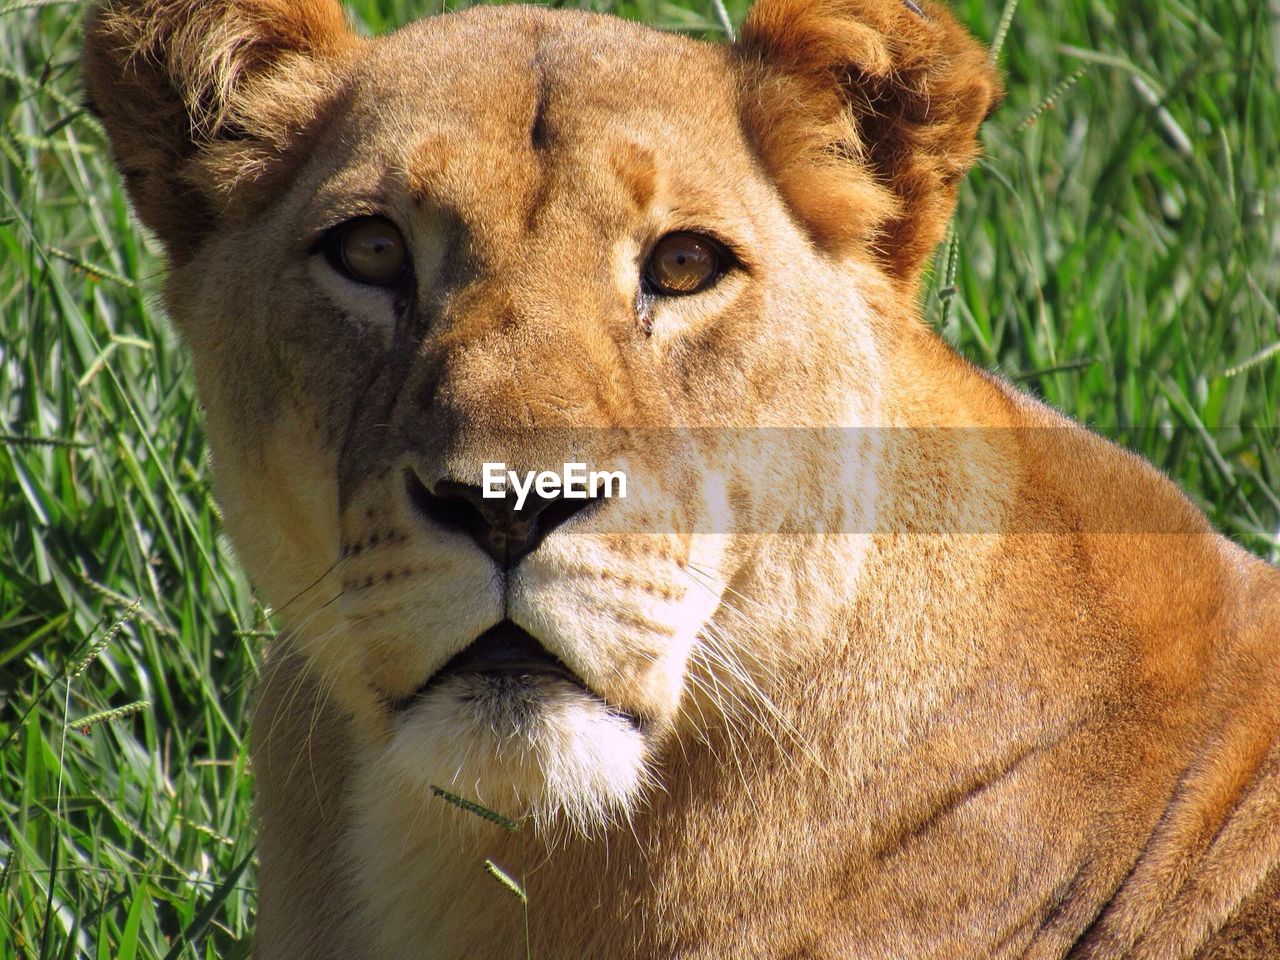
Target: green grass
1116, 253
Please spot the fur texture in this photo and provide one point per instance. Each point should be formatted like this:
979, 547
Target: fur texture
882, 660
867, 113
202, 98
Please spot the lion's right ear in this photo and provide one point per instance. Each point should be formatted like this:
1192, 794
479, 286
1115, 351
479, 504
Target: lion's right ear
202, 99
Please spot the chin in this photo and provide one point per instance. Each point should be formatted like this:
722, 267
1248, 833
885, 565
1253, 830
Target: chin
508, 726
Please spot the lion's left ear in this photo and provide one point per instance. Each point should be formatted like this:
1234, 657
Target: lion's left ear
866, 113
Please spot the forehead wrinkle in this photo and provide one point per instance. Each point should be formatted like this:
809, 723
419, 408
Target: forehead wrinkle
539, 131
541, 134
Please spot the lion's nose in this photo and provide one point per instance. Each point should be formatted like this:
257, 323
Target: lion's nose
505, 533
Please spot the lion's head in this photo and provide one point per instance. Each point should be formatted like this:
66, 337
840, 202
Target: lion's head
536, 236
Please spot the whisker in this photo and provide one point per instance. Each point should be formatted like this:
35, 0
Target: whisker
717, 647
733, 731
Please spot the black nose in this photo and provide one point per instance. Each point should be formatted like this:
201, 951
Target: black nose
494, 523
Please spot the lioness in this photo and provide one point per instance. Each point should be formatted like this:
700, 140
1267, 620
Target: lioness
878, 659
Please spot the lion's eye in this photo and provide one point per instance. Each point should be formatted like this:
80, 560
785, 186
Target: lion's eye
684, 263
368, 250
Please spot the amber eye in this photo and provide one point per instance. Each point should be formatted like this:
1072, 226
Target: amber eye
684, 263
368, 250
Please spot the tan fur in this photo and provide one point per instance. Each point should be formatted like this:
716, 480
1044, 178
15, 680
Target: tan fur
954, 678
900, 91
201, 97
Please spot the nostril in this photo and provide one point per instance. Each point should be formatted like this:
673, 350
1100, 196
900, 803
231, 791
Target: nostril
494, 523
449, 506
550, 513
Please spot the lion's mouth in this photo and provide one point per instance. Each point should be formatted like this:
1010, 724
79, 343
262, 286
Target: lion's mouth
503, 653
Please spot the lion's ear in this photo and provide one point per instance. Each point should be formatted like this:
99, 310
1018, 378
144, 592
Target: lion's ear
203, 98
866, 113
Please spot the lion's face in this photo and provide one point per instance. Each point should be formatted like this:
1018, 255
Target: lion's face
529, 237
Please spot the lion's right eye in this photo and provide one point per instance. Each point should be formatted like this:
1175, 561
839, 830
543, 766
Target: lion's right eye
368, 250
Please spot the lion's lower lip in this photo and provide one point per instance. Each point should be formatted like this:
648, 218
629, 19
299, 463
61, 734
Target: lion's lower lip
504, 650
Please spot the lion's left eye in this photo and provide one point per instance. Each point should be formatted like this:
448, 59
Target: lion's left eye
368, 250
684, 263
